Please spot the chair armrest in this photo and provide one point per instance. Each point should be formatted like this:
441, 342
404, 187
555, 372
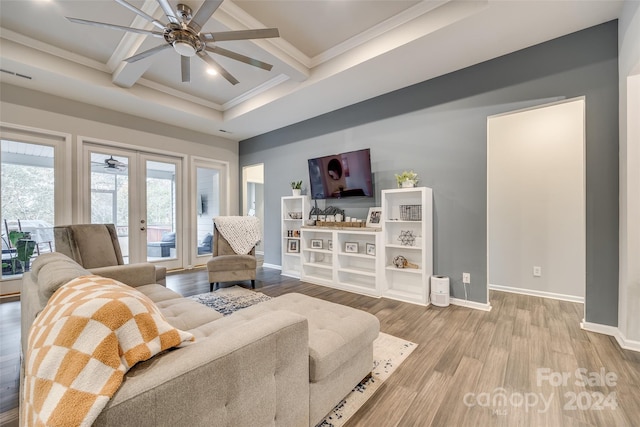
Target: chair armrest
255, 373
161, 275
130, 274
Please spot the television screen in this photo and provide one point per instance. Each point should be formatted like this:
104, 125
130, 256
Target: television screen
341, 175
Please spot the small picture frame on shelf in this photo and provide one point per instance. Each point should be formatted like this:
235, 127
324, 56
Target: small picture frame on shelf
371, 249
316, 244
330, 244
293, 246
351, 247
374, 218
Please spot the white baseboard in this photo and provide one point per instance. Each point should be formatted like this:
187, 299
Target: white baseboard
626, 343
534, 293
613, 331
274, 266
471, 304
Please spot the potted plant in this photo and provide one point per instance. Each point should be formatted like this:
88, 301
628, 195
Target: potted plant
407, 179
21, 240
296, 187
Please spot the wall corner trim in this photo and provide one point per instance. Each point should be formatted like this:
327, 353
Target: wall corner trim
274, 266
613, 331
471, 304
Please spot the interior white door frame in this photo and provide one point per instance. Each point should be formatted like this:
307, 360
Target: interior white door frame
223, 168
583, 201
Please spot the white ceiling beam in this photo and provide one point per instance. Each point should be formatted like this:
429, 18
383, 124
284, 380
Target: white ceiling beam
127, 74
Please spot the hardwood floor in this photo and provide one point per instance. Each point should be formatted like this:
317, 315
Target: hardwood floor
513, 366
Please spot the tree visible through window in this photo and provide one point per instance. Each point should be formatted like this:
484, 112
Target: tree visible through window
27, 183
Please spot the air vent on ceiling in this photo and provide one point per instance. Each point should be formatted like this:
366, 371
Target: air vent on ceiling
16, 74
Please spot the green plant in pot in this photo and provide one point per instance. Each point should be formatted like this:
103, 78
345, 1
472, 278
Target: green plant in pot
407, 179
296, 187
21, 240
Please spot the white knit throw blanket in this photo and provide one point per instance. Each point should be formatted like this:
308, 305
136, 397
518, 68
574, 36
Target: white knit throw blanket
242, 232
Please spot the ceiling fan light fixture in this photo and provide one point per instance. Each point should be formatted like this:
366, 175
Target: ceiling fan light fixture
211, 72
184, 48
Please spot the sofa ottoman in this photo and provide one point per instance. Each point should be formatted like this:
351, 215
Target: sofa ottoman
340, 345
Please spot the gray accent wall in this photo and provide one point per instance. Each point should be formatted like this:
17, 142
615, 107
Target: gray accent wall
438, 128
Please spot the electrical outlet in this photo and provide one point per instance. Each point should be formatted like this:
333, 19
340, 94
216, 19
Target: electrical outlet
466, 278
537, 271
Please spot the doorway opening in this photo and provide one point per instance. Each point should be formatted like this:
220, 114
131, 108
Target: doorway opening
253, 197
536, 217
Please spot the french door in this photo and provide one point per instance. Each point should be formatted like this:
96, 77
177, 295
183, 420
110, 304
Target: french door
35, 187
141, 194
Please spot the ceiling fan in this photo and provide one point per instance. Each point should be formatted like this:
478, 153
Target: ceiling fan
108, 165
182, 33
112, 163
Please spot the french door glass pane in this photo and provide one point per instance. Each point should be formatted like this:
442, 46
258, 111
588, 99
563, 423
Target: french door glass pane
27, 216
110, 195
161, 210
207, 206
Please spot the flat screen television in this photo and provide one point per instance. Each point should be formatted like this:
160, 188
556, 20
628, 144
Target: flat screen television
341, 175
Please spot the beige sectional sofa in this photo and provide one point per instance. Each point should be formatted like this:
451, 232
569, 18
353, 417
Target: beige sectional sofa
283, 362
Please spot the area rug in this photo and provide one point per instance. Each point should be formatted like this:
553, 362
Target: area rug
388, 351
228, 300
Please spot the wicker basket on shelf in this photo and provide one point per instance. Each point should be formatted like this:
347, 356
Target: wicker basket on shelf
411, 212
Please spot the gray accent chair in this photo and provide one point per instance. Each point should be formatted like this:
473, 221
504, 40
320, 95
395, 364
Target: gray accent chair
94, 247
227, 266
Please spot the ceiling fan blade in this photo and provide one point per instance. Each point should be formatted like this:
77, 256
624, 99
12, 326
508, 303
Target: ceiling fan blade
203, 14
168, 10
213, 64
146, 16
239, 57
148, 53
220, 36
116, 27
185, 68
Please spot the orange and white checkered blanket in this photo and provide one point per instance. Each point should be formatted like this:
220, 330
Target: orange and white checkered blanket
92, 331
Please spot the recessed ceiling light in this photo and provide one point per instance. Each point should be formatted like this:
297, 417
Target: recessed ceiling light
211, 71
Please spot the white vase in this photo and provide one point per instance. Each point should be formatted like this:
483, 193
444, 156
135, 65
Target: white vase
408, 184
296, 191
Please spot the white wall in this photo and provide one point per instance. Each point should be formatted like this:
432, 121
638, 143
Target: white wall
536, 196
629, 78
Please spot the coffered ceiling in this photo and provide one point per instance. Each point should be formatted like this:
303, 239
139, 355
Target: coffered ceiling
330, 53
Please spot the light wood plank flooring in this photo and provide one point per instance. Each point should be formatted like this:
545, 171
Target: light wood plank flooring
466, 361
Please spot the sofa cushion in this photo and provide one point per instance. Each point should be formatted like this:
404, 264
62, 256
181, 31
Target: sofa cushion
157, 293
169, 237
187, 314
337, 333
232, 262
180, 312
52, 270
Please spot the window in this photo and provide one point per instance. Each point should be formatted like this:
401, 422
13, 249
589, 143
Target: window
28, 204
